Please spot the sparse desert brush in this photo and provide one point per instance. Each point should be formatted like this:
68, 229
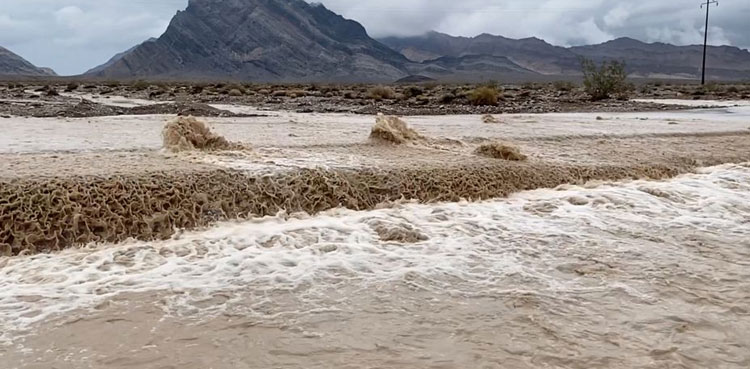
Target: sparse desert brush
197, 89
733, 89
71, 87
712, 87
381, 92
279, 93
349, 94
235, 92
605, 81
447, 98
297, 93
563, 86
412, 91
51, 91
140, 85
484, 96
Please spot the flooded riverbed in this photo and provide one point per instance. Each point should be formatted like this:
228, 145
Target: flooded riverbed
620, 275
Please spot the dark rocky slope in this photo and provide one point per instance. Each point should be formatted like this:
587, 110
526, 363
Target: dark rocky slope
260, 40
14, 65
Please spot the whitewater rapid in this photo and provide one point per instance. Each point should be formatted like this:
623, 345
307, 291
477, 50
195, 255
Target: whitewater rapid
625, 274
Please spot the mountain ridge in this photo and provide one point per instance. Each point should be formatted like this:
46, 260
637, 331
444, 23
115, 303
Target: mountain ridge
12, 64
265, 40
642, 59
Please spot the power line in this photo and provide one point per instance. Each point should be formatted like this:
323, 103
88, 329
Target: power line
705, 37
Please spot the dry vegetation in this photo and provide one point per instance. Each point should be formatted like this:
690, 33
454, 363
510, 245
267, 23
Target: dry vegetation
381, 93
484, 95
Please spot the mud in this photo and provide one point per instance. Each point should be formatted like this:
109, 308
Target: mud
188, 133
392, 129
60, 199
501, 150
489, 118
50, 215
542, 279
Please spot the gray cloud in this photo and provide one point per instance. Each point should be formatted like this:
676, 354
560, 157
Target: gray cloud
74, 35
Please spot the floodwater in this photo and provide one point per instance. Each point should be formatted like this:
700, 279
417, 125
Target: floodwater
610, 275
289, 129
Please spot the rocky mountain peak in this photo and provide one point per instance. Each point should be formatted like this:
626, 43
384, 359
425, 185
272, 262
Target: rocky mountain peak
263, 40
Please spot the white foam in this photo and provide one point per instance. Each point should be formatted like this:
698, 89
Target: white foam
473, 248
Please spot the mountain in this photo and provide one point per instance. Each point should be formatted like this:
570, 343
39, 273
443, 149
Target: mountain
642, 59
530, 53
14, 65
260, 40
469, 68
660, 59
116, 58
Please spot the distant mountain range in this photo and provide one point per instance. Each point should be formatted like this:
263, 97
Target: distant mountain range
13, 65
656, 60
295, 41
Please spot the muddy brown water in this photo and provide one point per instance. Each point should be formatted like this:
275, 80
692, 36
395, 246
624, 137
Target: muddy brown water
640, 274
634, 274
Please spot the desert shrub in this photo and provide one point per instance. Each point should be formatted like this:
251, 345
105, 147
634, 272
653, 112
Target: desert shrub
279, 93
140, 85
350, 95
412, 91
197, 89
563, 86
235, 92
447, 98
381, 92
71, 87
733, 89
484, 96
298, 93
605, 81
712, 87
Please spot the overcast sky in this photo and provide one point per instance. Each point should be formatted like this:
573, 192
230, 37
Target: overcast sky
72, 36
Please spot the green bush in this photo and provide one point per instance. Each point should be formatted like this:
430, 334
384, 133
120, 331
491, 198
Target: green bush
605, 81
484, 96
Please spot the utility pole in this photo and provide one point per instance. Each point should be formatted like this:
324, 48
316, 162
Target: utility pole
705, 37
